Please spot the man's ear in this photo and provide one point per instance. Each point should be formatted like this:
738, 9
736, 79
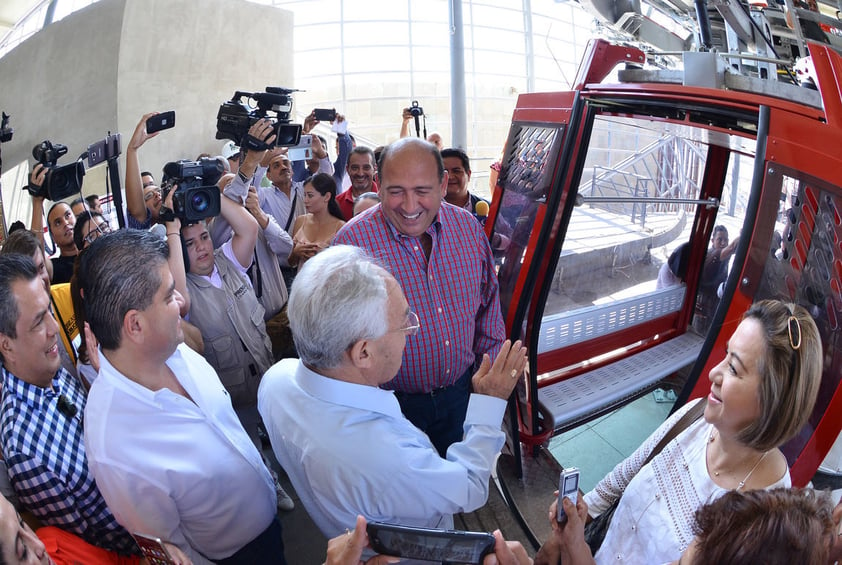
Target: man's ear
444, 184
5, 344
133, 326
360, 354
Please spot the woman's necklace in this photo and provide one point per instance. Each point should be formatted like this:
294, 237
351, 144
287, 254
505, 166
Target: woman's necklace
742, 483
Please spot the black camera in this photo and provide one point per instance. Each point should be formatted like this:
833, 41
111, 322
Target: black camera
5, 131
196, 194
60, 182
235, 117
415, 109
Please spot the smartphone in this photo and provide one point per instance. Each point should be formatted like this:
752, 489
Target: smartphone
449, 546
325, 114
153, 549
568, 487
164, 120
303, 150
96, 153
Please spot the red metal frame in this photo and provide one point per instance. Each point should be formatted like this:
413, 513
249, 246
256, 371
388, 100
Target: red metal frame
800, 137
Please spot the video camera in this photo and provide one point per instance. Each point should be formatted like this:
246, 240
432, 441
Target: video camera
235, 117
196, 195
61, 181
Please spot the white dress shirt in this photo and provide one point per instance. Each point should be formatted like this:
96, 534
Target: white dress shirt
349, 450
183, 471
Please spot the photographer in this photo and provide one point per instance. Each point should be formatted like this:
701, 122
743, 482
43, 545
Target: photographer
143, 199
284, 200
61, 222
414, 112
265, 273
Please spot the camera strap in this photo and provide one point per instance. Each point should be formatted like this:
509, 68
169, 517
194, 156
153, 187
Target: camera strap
291, 210
254, 274
251, 142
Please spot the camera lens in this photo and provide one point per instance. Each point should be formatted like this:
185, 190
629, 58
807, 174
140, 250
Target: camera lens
200, 201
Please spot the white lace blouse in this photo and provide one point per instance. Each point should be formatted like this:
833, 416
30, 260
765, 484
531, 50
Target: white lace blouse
652, 523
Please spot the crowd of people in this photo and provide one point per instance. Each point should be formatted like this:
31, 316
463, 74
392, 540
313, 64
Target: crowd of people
360, 332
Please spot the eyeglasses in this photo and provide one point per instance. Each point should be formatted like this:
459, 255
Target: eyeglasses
101, 229
151, 194
413, 324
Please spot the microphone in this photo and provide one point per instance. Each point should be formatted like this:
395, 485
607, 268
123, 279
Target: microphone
481, 210
66, 407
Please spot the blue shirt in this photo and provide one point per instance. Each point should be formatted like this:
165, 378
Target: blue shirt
44, 451
348, 450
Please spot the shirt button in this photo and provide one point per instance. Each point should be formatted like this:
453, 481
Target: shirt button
439, 310
415, 248
657, 497
447, 342
447, 372
634, 528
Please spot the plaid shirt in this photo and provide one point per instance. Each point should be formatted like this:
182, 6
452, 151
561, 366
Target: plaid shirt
45, 454
455, 293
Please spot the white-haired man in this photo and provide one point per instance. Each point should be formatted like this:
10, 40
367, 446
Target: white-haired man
343, 441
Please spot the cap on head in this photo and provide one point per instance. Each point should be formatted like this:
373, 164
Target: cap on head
230, 149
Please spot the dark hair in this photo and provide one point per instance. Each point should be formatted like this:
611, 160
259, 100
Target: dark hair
679, 260
324, 184
789, 377
377, 152
92, 200
459, 154
17, 225
24, 242
119, 273
775, 527
81, 220
79, 309
13, 267
78, 200
146, 174
719, 228
400, 145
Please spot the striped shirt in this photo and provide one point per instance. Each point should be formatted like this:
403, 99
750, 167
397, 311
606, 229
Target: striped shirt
455, 293
44, 451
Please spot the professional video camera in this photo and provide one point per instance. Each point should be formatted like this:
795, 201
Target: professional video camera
196, 195
5, 131
236, 117
61, 181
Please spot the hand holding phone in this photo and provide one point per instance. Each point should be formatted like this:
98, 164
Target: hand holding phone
325, 114
153, 549
568, 487
449, 546
158, 122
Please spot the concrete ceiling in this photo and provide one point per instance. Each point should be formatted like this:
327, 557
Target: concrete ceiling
13, 10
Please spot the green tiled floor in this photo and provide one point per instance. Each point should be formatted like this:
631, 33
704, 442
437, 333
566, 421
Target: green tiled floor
596, 447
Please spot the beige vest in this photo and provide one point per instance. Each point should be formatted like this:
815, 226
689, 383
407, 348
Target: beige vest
231, 321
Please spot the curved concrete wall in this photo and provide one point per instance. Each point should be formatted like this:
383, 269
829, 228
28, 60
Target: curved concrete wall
101, 68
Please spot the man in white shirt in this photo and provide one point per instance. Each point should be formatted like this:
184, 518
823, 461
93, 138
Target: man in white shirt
163, 441
343, 441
